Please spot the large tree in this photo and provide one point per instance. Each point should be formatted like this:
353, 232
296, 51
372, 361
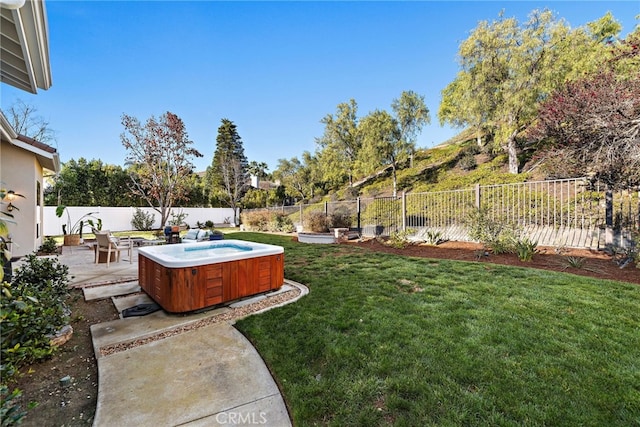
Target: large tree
160, 152
229, 168
90, 183
25, 120
382, 144
594, 123
340, 143
296, 177
390, 140
508, 68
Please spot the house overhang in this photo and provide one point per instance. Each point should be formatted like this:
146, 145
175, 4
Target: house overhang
24, 41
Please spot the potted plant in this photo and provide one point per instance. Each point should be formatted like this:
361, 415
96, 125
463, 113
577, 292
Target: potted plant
73, 232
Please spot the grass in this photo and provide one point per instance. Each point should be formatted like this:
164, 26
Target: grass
385, 339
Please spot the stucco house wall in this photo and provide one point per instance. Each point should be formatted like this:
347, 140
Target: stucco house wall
21, 172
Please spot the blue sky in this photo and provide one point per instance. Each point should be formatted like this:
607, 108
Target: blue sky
274, 68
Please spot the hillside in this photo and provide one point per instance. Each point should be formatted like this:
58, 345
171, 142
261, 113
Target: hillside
446, 166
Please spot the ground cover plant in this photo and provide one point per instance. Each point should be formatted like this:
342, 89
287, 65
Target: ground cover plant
386, 339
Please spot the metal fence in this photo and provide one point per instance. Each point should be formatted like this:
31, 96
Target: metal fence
566, 212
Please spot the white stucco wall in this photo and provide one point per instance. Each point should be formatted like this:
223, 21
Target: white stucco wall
20, 172
119, 219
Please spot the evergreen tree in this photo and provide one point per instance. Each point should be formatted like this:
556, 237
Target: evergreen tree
228, 172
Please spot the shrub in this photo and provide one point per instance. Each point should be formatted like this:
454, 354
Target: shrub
575, 262
142, 221
433, 237
498, 236
267, 221
10, 412
317, 222
256, 220
525, 249
48, 246
279, 222
32, 308
400, 239
339, 219
467, 162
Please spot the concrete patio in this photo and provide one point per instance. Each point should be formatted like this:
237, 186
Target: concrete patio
166, 370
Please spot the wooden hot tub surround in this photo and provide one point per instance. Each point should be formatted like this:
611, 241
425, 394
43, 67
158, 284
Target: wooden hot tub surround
184, 289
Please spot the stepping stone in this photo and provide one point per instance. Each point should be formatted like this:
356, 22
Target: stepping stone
107, 291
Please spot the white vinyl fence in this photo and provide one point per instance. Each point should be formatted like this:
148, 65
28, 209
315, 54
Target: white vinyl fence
119, 218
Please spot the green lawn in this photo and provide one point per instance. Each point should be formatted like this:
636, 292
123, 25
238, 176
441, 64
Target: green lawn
384, 339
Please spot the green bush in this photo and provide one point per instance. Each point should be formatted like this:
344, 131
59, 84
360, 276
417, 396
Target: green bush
48, 246
32, 308
467, 162
496, 235
265, 220
279, 222
10, 412
316, 222
525, 249
142, 221
400, 239
434, 237
339, 219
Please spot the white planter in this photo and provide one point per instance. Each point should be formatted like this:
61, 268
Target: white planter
318, 238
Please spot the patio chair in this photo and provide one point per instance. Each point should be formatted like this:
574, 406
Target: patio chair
111, 244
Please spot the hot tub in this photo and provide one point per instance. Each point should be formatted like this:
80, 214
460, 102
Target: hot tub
193, 276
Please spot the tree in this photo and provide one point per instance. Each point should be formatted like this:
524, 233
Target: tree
382, 143
295, 176
258, 169
389, 140
340, 143
161, 153
507, 69
25, 120
411, 114
595, 122
228, 170
90, 183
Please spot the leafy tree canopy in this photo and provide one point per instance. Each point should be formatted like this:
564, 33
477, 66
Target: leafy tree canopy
161, 153
507, 68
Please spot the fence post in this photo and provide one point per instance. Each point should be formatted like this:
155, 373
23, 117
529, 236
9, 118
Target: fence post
608, 217
478, 196
326, 208
404, 211
358, 213
301, 222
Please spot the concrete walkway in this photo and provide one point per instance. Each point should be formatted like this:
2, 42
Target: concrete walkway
198, 376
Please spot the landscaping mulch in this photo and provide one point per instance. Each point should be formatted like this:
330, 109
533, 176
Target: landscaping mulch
597, 263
